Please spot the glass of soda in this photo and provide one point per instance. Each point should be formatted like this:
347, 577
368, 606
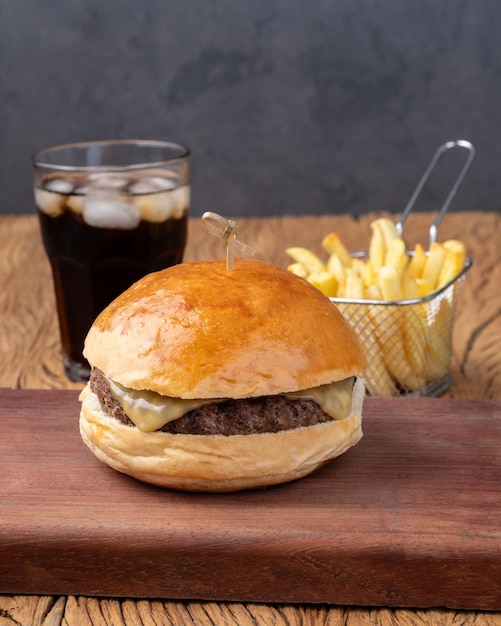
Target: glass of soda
109, 212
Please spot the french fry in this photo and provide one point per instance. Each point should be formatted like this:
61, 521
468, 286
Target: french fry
396, 255
325, 282
298, 270
455, 258
388, 230
415, 341
341, 289
359, 267
370, 277
424, 287
377, 248
373, 292
438, 341
336, 268
410, 289
389, 283
389, 329
408, 345
417, 262
333, 245
433, 264
354, 287
459, 250
378, 380
308, 259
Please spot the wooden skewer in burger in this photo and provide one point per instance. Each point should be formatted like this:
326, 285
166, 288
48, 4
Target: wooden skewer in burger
221, 376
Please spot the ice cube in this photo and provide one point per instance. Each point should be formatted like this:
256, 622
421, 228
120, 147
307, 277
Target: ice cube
182, 203
158, 207
155, 207
59, 185
86, 190
152, 184
106, 213
52, 204
106, 180
97, 191
75, 204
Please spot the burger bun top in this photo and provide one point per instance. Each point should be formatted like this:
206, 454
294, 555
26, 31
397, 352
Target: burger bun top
201, 330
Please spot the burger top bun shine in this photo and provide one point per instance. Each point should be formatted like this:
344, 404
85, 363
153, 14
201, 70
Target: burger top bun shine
200, 330
203, 331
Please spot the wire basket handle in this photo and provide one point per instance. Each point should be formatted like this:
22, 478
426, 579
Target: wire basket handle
460, 143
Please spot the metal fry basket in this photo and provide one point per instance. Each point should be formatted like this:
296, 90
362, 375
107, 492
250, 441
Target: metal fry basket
409, 342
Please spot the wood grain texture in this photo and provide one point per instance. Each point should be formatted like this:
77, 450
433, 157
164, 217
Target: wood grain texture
29, 341
30, 358
410, 517
84, 611
29, 336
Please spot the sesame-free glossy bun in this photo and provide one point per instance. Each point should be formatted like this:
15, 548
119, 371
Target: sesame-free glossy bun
200, 330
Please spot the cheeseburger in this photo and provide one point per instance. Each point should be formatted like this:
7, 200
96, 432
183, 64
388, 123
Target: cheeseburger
206, 378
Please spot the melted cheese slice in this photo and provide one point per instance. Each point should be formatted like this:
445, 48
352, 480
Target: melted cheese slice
333, 399
150, 411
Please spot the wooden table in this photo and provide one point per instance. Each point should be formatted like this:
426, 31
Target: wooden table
30, 359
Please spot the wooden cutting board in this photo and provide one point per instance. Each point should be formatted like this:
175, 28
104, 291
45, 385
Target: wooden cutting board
409, 517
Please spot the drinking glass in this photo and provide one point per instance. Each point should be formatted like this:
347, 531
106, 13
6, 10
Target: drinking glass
109, 213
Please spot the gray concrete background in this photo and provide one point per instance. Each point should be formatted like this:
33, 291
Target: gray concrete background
326, 106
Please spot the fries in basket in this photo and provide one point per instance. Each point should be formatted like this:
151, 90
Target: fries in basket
401, 303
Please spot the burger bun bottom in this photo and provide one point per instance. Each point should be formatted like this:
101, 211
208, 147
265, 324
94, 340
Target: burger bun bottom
217, 463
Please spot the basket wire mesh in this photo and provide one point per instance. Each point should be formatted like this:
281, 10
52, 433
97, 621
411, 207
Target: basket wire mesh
408, 343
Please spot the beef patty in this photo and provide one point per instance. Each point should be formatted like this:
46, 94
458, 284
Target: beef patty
266, 414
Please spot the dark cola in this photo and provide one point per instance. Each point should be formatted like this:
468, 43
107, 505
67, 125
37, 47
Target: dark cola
101, 237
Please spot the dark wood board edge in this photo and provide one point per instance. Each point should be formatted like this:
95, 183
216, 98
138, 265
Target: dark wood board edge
310, 570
